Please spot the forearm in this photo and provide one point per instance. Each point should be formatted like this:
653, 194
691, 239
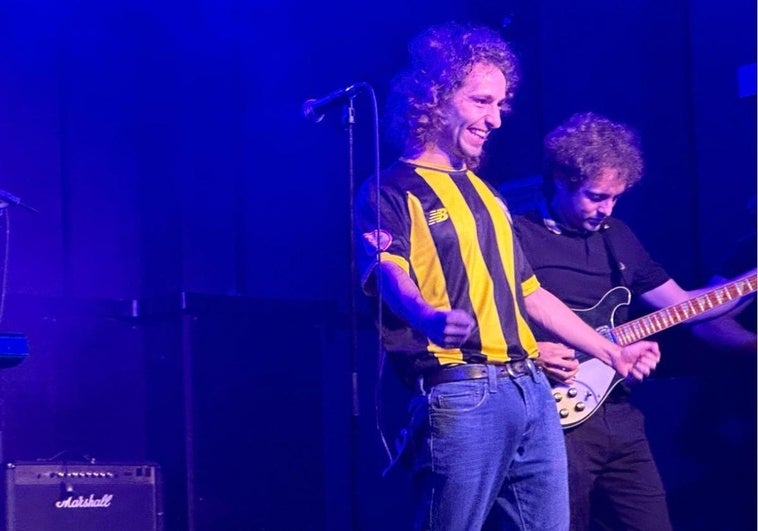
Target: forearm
670, 294
554, 316
401, 295
447, 328
731, 307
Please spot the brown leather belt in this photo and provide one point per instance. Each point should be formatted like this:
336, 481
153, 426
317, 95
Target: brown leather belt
475, 371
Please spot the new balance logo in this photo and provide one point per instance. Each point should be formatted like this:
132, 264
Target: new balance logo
437, 216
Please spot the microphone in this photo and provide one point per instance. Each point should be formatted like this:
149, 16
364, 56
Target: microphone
313, 109
10, 199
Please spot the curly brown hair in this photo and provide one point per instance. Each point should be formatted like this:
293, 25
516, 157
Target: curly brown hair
440, 59
586, 144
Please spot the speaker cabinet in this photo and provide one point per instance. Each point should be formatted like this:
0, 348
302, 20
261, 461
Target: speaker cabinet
56, 496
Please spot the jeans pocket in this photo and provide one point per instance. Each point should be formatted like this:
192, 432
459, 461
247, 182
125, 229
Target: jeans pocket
460, 396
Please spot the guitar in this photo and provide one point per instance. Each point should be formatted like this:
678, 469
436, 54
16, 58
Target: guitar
595, 379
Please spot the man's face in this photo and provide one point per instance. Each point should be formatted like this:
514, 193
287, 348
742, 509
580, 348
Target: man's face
472, 113
587, 207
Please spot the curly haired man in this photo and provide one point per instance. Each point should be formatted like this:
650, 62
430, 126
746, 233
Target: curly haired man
579, 253
484, 438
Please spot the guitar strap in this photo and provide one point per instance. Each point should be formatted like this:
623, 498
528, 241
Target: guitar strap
619, 278
618, 268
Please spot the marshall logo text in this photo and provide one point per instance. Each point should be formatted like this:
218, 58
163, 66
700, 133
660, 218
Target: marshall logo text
85, 503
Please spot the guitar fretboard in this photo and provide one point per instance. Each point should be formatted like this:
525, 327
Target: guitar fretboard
662, 319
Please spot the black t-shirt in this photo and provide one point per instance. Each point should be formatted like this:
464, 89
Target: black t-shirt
577, 267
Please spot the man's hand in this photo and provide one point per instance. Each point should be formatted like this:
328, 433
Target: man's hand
636, 360
558, 361
447, 328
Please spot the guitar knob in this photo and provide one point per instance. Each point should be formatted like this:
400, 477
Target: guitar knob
580, 406
563, 413
558, 397
572, 392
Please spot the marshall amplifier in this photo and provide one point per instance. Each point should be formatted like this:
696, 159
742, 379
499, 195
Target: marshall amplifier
56, 496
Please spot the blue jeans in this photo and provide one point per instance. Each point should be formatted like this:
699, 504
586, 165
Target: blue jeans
489, 453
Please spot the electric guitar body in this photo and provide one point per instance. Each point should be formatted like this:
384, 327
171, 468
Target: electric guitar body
595, 380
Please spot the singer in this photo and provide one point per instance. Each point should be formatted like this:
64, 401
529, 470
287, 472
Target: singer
483, 440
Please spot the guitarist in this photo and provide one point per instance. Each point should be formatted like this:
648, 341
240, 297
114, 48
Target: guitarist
579, 252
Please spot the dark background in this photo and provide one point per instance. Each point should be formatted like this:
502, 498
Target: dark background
185, 286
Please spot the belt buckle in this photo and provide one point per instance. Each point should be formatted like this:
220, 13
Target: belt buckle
518, 367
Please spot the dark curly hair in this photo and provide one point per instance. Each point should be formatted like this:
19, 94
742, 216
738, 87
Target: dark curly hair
586, 144
440, 59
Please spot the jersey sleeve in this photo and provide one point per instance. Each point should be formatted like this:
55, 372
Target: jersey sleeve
524, 271
389, 241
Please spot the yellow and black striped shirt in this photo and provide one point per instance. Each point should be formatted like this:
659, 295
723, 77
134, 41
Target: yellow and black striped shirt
449, 231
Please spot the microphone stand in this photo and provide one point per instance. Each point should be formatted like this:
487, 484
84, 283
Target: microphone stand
348, 119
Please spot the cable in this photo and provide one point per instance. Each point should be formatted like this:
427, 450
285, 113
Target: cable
381, 355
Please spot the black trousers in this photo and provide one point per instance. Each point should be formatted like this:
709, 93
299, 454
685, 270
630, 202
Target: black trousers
613, 481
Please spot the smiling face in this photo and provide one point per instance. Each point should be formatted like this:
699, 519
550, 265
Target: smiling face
471, 114
587, 207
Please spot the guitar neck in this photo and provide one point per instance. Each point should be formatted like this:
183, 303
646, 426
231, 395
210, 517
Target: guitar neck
667, 317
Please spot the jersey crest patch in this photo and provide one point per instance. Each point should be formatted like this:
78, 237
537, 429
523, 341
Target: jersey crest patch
377, 240
437, 215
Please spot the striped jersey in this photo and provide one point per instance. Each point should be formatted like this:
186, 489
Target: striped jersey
450, 232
